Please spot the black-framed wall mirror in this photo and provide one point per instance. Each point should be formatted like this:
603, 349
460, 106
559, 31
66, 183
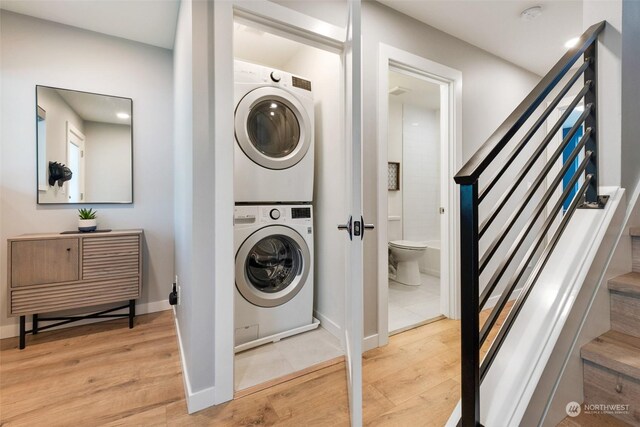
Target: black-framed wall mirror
84, 146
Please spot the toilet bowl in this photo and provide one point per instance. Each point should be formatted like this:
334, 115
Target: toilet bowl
407, 253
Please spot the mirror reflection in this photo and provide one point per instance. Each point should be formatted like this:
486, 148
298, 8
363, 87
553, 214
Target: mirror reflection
84, 147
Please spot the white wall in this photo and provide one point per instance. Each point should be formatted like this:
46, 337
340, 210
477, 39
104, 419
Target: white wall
107, 152
609, 86
421, 173
492, 88
194, 258
324, 70
58, 114
40, 52
630, 75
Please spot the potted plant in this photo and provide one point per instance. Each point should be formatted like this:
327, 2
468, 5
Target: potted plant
87, 221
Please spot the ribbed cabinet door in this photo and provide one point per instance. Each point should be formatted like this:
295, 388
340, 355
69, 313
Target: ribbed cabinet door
104, 257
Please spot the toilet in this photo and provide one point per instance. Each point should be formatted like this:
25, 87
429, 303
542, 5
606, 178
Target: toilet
407, 253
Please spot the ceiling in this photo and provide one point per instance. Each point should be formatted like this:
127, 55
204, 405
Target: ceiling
496, 26
493, 25
420, 92
147, 21
97, 108
253, 45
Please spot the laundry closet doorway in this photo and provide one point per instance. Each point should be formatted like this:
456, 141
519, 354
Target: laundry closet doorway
337, 189
419, 149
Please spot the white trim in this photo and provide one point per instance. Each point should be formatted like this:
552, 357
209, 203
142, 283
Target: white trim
13, 330
332, 327
220, 48
278, 20
370, 342
201, 399
451, 81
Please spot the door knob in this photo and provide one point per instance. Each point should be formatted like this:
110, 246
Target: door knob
366, 227
347, 227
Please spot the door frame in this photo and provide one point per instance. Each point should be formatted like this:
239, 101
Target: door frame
72, 130
278, 20
451, 80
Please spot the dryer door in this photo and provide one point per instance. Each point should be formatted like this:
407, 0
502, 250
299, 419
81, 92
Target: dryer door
272, 128
272, 266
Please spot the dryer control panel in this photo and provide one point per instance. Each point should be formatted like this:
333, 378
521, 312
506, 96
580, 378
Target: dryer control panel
251, 214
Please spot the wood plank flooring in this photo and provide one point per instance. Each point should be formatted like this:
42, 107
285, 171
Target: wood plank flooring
107, 374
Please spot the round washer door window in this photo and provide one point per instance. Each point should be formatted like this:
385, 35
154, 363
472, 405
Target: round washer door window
271, 266
272, 128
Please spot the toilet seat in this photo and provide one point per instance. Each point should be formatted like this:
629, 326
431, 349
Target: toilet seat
408, 245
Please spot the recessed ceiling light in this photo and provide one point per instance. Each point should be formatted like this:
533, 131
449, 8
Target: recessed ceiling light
531, 13
123, 116
571, 43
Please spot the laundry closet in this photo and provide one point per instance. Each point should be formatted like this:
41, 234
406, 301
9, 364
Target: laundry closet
290, 167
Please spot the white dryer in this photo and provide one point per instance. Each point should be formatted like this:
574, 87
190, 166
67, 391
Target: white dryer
274, 273
273, 155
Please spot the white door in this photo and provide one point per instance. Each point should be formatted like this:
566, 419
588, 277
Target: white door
354, 329
75, 162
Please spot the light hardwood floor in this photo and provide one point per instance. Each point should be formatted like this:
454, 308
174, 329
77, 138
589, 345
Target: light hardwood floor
107, 374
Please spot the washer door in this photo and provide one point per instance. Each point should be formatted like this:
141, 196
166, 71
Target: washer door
272, 128
272, 266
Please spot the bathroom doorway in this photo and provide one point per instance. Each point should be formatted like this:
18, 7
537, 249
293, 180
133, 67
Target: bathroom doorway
419, 147
414, 207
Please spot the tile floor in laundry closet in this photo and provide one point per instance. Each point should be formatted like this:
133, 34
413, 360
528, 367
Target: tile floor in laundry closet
413, 305
293, 354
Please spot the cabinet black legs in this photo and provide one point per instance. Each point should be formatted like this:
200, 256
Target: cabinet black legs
23, 331
132, 312
63, 320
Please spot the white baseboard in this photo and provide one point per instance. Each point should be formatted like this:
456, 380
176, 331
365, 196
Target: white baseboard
370, 342
199, 400
13, 329
332, 327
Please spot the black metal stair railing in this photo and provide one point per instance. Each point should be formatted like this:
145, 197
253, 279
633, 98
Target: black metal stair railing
542, 239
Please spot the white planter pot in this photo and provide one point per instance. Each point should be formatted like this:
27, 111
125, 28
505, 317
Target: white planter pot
86, 225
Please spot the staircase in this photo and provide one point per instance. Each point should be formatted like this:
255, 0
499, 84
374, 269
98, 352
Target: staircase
612, 360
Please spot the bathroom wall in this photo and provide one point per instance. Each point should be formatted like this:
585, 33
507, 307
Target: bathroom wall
421, 173
36, 52
394, 153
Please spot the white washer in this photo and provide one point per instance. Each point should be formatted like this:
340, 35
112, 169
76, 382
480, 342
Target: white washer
273, 154
274, 273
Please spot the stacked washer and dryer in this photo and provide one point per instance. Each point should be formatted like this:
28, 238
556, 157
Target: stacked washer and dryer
273, 219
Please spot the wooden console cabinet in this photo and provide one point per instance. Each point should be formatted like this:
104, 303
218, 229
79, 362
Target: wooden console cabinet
54, 272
